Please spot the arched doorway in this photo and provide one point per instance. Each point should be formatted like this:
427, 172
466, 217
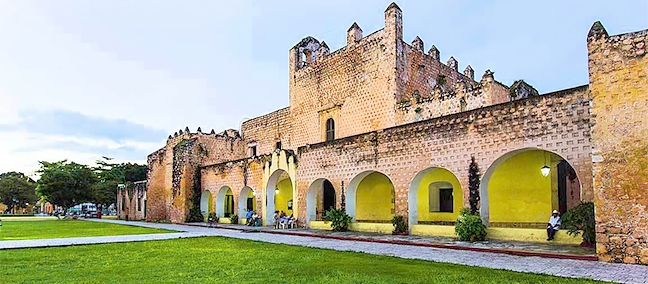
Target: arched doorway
515, 192
435, 197
279, 195
371, 198
320, 198
224, 202
247, 200
206, 204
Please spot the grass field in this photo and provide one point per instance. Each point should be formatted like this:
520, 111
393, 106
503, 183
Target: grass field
26, 230
222, 260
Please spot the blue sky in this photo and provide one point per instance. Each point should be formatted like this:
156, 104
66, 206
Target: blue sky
84, 79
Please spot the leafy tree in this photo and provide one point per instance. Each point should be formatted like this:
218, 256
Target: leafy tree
110, 175
473, 185
66, 183
17, 190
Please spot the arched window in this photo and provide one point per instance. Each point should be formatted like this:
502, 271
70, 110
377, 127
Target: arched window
330, 129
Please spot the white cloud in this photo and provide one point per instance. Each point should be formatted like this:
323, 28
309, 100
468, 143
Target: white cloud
23, 150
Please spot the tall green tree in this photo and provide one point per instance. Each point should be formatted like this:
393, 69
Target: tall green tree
473, 185
66, 183
17, 190
110, 175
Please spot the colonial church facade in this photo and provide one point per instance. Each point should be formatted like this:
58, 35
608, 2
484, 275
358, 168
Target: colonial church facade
385, 128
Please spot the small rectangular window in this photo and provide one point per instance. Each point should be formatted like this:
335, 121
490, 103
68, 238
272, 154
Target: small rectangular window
278, 145
445, 200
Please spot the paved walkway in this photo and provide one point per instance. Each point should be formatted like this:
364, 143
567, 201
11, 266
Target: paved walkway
547, 249
624, 273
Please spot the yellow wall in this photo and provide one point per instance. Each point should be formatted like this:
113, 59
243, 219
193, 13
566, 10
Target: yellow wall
285, 194
517, 191
374, 198
210, 203
530, 235
438, 175
434, 230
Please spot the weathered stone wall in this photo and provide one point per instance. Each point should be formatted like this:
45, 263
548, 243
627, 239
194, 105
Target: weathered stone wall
557, 122
174, 175
266, 130
618, 69
354, 85
132, 195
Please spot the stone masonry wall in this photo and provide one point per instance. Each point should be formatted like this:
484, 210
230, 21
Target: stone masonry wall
558, 122
354, 84
174, 175
618, 69
268, 129
235, 175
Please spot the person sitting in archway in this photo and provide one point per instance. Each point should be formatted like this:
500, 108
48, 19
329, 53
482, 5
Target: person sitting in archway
553, 226
248, 217
275, 220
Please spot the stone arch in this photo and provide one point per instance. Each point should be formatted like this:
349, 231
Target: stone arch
356, 184
427, 180
206, 203
221, 198
312, 204
279, 181
244, 195
527, 175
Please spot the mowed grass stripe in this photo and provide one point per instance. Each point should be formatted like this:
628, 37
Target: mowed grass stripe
29, 230
224, 260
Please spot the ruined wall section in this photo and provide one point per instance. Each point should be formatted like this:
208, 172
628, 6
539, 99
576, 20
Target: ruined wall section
618, 70
174, 176
558, 122
160, 170
132, 195
353, 85
265, 131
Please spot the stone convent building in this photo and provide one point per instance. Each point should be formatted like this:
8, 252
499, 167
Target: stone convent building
385, 128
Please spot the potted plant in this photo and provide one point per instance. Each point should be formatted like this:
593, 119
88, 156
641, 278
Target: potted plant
469, 226
234, 219
340, 221
400, 226
579, 220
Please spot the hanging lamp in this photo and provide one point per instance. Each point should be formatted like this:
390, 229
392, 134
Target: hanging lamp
545, 169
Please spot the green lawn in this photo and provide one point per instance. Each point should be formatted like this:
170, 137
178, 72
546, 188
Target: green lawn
26, 230
222, 260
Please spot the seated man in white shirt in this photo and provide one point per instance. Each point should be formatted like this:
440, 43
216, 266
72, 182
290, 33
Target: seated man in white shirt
553, 225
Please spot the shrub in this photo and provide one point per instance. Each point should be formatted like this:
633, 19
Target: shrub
340, 221
234, 219
195, 215
399, 224
581, 219
469, 227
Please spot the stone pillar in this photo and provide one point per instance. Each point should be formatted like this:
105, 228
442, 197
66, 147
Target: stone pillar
617, 70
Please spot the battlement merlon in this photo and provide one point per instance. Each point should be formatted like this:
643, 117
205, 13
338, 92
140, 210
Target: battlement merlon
230, 134
310, 50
